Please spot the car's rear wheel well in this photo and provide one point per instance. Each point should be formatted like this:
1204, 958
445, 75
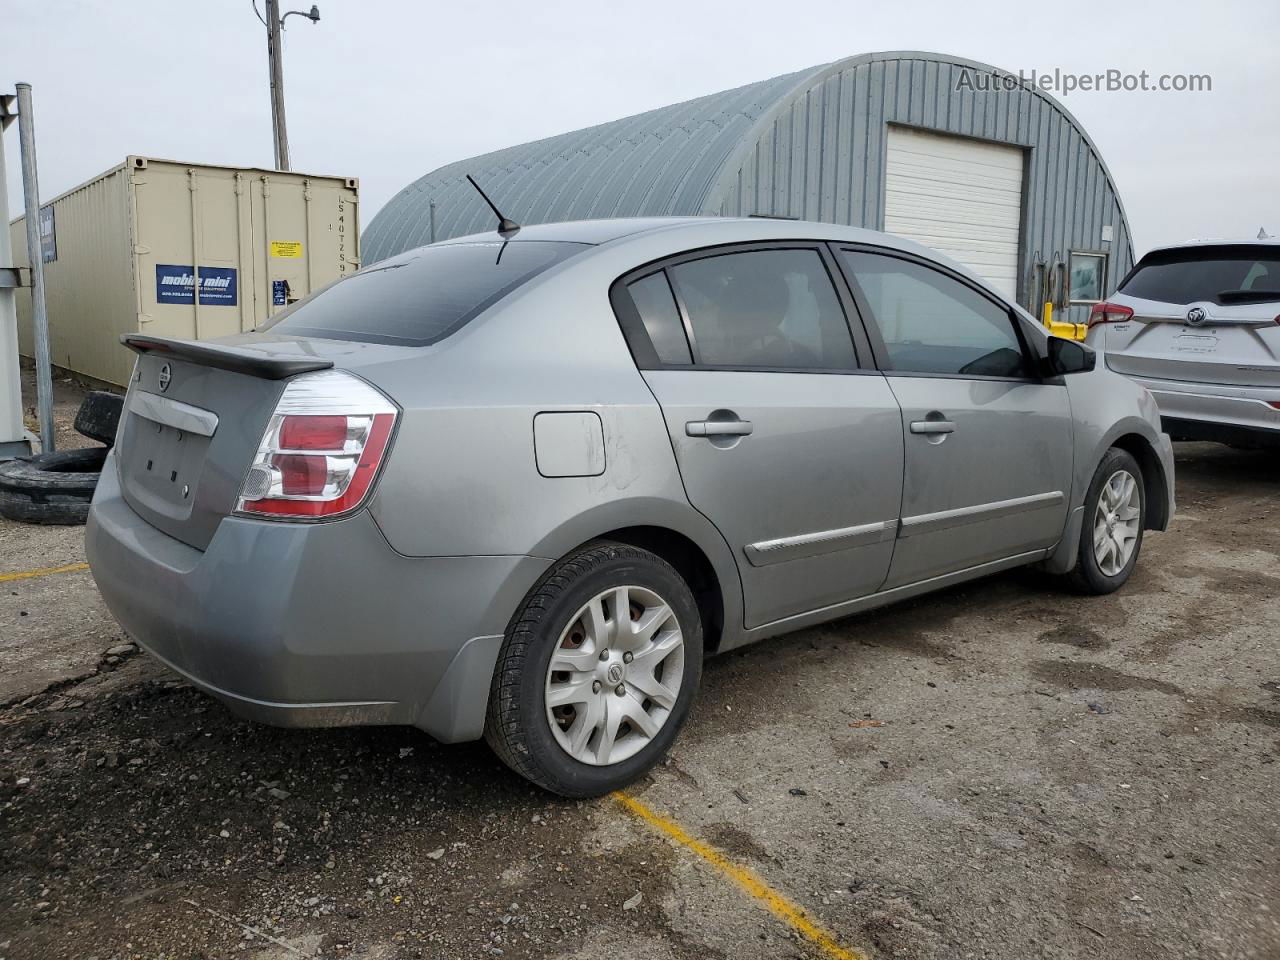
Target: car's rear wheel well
692, 564
1153, 478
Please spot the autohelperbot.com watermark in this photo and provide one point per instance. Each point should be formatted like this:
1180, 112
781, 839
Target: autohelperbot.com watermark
1065, 82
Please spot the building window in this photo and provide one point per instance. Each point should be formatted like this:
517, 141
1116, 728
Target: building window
1086, 275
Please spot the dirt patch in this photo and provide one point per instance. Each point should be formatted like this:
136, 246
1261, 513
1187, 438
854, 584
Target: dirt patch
1075, 636
145, 815
1077, 676
736, 842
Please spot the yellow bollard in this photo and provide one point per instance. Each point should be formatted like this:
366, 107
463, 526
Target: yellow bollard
1068, 331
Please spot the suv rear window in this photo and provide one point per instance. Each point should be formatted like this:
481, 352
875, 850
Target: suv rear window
1238, 273
421, 296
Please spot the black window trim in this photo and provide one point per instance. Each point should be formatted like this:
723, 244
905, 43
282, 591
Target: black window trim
878, 348
646, 357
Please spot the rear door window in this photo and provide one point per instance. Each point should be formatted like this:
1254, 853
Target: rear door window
421, 296
1235, 273
934, 324
764, 309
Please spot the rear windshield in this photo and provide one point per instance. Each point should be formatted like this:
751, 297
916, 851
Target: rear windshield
421, 296
1224, 275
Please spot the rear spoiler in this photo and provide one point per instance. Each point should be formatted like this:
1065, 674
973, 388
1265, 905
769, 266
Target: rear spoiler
225, 356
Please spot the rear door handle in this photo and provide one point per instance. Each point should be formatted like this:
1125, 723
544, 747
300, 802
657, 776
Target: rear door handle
933, 426
718, 428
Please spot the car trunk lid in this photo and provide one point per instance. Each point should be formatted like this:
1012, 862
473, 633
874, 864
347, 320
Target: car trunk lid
196, 413
1231, 344
1202, 313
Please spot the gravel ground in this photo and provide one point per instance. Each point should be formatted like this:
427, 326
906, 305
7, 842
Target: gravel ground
1000, 770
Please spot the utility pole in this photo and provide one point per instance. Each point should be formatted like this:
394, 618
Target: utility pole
275, 65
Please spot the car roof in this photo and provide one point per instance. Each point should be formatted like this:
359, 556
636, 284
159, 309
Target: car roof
695, 232
596, 232
582, 231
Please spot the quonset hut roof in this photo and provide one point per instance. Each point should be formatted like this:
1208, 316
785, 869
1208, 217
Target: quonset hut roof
759, 149
659, 163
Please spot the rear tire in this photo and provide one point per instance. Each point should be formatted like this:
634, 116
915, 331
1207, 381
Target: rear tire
618, 699
1115, 514
99, 416
51, 488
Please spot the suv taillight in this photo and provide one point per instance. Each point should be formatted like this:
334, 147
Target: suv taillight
1109, 313
321, 451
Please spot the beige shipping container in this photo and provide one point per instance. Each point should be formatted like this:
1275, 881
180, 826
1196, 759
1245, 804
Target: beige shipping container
120, 250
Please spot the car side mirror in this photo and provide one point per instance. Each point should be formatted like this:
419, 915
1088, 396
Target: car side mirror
1067, 356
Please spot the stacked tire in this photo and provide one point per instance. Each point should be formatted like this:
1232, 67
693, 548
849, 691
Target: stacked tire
57, 487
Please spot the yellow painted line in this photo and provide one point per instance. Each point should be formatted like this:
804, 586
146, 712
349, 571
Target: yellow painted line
782, 908
44, 572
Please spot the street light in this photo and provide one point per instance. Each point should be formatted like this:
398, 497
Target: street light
274, 24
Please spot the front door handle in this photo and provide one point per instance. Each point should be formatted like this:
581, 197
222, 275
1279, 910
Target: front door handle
718, 428
933, 426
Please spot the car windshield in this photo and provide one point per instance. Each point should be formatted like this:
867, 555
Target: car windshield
422, 296
1239, 273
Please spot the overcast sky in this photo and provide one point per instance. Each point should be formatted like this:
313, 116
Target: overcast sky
387, 90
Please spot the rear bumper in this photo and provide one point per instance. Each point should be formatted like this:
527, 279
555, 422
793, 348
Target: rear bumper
1203, 411
1218, 432
311, 624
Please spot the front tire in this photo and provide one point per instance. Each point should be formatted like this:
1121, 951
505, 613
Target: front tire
584, 701
1115, 514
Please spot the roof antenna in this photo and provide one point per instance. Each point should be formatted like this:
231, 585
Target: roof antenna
505, 226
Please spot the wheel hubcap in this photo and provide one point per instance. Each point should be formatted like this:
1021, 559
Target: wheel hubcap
1117, 522
615, 675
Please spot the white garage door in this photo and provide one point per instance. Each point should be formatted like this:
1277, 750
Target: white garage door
961, 197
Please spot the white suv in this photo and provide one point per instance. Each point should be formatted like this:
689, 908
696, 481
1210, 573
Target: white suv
1199, 326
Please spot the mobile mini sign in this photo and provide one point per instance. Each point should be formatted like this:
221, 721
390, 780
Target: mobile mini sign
174, 284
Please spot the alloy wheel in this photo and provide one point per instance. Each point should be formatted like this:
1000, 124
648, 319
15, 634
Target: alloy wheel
1116, 522
614, 675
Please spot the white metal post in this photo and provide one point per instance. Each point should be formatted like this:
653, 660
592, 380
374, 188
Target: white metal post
13, 437
39, 316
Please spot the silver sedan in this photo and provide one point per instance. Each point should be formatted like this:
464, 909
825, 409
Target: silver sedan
517, 486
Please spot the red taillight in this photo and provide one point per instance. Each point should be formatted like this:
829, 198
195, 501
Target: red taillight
321, 451
301, 475
1109, 313
313, 433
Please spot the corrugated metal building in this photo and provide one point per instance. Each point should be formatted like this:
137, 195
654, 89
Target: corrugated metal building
990, 171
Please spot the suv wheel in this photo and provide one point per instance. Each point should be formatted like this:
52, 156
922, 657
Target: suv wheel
1115, 512
597, 672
